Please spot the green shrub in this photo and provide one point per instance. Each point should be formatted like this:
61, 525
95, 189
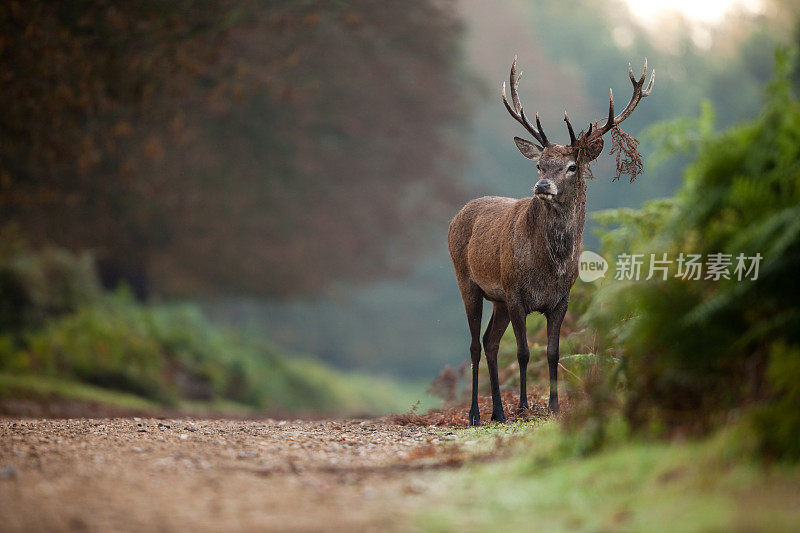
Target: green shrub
57, 324
37, 284
162, 353
696, 352
110, 346
777, 422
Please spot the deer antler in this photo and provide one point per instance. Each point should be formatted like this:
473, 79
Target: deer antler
594, 131
518, 112
572, 140
638, 93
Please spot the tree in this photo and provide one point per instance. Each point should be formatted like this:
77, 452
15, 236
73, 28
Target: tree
267, 147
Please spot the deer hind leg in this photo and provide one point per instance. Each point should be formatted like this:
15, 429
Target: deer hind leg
517, 315
491, 343
473, 304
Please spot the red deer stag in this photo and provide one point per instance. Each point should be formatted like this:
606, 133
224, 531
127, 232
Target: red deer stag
522, 255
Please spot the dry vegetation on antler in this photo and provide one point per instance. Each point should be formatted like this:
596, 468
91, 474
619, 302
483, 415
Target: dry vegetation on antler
629, 160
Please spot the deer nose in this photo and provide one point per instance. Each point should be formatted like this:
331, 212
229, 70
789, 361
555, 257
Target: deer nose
540, 188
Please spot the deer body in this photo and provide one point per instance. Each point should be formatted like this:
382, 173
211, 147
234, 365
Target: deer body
523, 250
523, 255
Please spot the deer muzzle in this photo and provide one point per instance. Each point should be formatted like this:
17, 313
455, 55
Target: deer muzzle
545, 189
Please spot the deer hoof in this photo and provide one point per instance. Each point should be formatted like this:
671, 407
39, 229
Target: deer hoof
553, 407
499, 417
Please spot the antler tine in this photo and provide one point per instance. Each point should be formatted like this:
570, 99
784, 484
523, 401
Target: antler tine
541, 131
520, 117
517, 111
514, 82
610, 120
646, 92
572, 140
638, 93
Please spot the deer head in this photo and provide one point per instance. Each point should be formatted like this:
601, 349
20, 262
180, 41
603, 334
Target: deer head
560, 166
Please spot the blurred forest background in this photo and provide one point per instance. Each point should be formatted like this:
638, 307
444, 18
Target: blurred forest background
245, 204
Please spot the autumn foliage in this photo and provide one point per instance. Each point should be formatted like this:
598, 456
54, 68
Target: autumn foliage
260, 147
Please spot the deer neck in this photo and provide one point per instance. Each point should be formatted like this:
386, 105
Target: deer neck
562, 224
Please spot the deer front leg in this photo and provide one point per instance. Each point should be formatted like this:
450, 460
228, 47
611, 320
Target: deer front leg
517, 315
554, 319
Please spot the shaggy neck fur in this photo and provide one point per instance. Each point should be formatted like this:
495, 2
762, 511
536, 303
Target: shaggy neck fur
562, 222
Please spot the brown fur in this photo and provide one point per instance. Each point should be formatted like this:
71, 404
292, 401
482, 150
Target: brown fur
527, 248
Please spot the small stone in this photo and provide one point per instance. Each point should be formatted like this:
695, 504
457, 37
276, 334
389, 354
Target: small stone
415, 487
246, 455
8, 472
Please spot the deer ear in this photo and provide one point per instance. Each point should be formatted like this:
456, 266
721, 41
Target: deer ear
592, 151
528, 149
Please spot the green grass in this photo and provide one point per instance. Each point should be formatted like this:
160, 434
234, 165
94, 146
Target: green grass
636, 486
332, 391
51, 388
140, 351
345, 394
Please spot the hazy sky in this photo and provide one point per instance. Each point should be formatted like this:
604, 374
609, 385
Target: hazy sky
709, 11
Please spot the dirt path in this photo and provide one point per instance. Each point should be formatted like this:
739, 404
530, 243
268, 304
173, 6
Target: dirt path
156, 474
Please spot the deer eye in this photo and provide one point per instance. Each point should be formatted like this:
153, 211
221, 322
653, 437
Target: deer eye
537, 166
572, 168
